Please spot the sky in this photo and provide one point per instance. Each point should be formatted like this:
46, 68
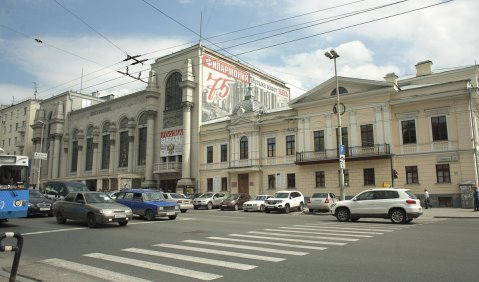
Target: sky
48, 47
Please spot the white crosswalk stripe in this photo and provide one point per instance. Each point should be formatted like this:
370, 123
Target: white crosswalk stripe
156, 266
92, 271
215, 262
344, 227
244, 247
220, 252
333, 229
305, 236
352, 224
290, 240
331, 233
267, 243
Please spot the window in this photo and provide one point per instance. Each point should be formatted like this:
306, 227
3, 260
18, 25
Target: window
367, 136
105, 152
271, 181
291, 179
25, 111
290, 145
342, 90
173, 94
209, 185
89, 154
224, 152
74, 156
224, 184
368, 174
408, 128
209, 154
244, 148
318, 140
439, 128
271, 143
320, 179
142, 133
124, 144
412, 175
443, 174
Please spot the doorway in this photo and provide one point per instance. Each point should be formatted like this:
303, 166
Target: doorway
243, 183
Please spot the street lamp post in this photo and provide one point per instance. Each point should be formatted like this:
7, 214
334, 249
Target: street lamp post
41, 151
333, 55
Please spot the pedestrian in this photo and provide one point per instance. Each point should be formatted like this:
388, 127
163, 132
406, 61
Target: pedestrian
427, 200
476, 199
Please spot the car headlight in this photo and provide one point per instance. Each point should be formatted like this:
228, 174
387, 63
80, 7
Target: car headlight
160, 208
31, 205
128, 211
106, 211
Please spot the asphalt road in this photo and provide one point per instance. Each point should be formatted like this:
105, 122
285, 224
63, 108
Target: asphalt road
234, 246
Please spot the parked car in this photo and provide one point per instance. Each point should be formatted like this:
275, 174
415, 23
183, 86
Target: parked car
193, 195
38, 204
321, 201
148, 203
234, 201
59, 189
256, 204
92, 207
284, 201
209, 200
398, 205
113, 193
184, 203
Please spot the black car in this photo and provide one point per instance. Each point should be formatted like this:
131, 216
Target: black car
38, 204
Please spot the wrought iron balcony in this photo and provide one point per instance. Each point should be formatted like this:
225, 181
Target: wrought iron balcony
171, 167
378, 151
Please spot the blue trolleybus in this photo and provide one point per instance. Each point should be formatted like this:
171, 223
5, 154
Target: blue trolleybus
14, 171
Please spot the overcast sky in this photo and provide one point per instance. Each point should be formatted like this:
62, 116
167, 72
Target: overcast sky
285, 38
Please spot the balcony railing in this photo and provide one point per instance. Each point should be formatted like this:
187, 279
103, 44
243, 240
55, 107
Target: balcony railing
378, 150
167, 167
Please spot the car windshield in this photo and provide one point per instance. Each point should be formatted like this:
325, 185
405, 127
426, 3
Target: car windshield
281, 195
206, 195
35, 194
177, 196
320, 195
232, 197
260, 198
153, 196
97, 198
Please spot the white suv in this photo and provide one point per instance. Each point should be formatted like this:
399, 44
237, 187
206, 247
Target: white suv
284, 201
399, 205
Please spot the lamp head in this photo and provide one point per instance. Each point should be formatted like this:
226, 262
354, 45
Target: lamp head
327, 54
334, 53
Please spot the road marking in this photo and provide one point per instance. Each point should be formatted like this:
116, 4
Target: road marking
267, 243
244, 247
351, 224
305, 236
321, 232
215, 262
290, 240
333, 229
92, 271
53, 231
354, 228
156, 266
220, 252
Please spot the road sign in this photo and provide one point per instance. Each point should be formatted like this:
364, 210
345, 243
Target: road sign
342, 162
40, 156
341, 150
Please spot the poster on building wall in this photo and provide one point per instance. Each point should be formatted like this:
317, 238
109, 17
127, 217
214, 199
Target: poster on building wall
171, 143
226, 85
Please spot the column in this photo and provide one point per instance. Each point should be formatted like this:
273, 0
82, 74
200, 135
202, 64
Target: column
187, 107
113, 151
96, 140
379, 125
150, 148
50, 152
131, 145
81, 157
56, 155
353, 123
387, 124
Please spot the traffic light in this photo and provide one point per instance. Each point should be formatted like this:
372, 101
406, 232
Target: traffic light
395, 174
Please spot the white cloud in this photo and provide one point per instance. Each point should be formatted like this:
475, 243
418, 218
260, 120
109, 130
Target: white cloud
13, 93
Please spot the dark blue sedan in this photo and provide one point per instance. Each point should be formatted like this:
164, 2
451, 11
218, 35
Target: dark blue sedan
148, 203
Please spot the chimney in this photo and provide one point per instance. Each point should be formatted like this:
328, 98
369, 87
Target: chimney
423, 68
392, 78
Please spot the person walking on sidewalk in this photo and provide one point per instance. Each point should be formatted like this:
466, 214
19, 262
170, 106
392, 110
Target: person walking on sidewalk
476, 199
427, 201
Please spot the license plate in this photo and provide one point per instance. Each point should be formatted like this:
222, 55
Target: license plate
120, 215
170, 213
44, 209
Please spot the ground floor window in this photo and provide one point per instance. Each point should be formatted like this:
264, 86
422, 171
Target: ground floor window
271, 181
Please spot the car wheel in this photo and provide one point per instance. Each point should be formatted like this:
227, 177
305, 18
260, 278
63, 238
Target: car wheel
172, 217
60, 218
123, 223
236, 207
301, 207
398, 216
149, 215
183, 211
286, 208
91, 220
343, 214
209, 206
261, 208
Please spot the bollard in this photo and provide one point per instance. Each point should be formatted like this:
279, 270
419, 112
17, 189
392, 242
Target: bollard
17, 249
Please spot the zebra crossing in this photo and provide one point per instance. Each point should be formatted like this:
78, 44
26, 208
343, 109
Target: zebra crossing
268, 245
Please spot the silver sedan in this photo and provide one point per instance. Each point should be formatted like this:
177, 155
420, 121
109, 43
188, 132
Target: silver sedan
92, 207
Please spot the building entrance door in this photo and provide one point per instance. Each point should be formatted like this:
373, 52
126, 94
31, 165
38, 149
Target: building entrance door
243, 183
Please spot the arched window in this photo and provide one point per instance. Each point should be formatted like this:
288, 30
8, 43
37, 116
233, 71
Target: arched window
105, 152
173, 92
124, 143
342, 90
244, 148
89, 149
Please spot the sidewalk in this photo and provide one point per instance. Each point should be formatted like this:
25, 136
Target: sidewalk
450, 213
